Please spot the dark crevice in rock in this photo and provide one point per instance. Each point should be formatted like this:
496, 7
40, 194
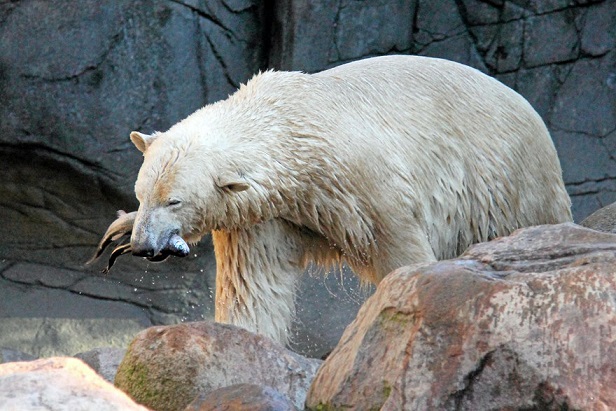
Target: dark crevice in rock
466, 392
210, 17
230, 34
530, 13
419, 45
267, 17
237, 10
116, 39
588, 192
86, 70
578, 21
59, 220
567, 62
200, 37
335, 47
36, 283
577, 5
5, 265
149, 305
222, 63
472, 37
18, 208
545, 397
609, 152
36, 149
584, 133
422, 48
600, 137
586, 181
523, 49
206, 16
415, 21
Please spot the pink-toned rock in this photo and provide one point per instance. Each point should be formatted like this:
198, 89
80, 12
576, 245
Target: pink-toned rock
242, 397
59, 384
523, 322
167, 367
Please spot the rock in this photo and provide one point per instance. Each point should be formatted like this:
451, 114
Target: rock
560, 25
523, 322
603, 219
166, 367
45, 337
58, 384
242, 397
105, 361
598, 32
11, 355
50, 311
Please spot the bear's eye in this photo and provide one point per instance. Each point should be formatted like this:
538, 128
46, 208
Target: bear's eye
173, 202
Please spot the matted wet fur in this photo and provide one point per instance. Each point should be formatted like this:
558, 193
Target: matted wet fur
378, 163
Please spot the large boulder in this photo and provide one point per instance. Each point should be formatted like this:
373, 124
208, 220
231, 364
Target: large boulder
59, 384
167, 367
523, 322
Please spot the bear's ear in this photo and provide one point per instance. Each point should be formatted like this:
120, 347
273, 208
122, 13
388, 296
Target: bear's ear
142, 141
232, 182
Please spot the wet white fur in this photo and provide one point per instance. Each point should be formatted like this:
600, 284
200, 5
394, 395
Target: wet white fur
379, 163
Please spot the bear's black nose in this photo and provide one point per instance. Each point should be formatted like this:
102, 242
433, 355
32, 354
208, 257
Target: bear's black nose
143, 252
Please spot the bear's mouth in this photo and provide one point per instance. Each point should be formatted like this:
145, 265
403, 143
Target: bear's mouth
120, 231
175, 246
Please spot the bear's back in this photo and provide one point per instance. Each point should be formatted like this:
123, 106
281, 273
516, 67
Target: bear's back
473, 156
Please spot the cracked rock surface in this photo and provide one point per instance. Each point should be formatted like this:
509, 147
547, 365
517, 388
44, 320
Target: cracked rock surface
77, 77
522, 322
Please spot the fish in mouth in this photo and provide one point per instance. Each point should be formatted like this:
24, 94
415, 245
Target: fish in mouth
119, 232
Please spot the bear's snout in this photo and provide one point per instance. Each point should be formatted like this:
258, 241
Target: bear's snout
147, 244
175, 245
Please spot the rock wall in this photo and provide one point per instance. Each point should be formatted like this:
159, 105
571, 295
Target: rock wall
77, 77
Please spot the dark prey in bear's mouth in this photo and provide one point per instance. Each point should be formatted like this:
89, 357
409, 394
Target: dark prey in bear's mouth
120, 231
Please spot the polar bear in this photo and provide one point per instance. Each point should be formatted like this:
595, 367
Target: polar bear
378, 164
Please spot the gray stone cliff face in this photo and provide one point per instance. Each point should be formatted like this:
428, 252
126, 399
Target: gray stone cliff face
77, 77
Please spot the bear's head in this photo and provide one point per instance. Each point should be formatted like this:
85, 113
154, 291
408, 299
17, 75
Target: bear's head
181, 194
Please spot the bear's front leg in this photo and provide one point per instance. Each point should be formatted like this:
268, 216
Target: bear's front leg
257, 271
